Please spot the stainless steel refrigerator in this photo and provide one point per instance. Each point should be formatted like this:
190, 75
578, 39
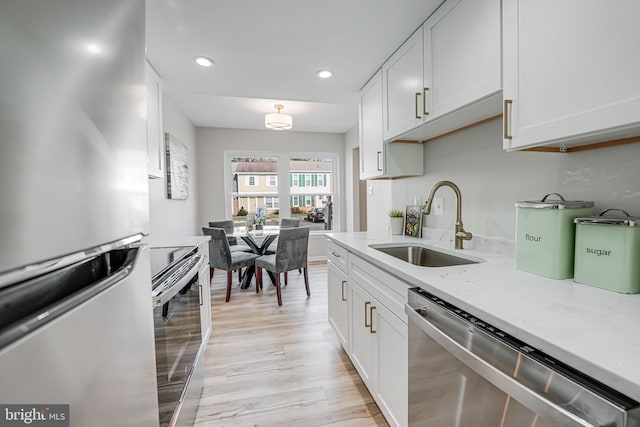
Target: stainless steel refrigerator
76, 325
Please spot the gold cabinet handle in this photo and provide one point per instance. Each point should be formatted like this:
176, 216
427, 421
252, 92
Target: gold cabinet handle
424, 101
366, 324
417, 95
344, 282
505, 118
371, 330
379, 155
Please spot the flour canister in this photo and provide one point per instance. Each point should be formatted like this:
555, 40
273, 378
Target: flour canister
545, 234
608, 251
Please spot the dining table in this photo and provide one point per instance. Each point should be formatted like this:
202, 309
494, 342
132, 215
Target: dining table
258, 241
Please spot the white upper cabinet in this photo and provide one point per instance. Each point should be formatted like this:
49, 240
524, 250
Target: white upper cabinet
371, 140
377, 158
452, 64
155, 134
462, 55
402, 93
571, 72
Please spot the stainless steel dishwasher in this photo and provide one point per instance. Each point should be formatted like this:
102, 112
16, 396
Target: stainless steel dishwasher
464, 372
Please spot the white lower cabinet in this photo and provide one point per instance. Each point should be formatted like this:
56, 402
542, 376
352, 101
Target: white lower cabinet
379, 353
205, 292
366, 310
338, 304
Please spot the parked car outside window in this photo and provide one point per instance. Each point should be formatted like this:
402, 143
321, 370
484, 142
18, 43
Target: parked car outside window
316, 215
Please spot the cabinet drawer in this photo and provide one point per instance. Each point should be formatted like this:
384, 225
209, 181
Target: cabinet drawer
338, 256
389, 290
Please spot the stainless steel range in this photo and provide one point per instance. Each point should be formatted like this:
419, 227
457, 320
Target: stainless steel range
177, 298
466, 372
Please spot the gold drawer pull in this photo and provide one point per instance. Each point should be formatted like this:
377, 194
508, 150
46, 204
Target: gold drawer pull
344, 282
417, 95
366, 324
371, 330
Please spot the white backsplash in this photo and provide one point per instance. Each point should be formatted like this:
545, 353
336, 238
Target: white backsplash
492, 180
490, 245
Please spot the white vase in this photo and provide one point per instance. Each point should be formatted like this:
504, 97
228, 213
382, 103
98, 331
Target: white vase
396, 224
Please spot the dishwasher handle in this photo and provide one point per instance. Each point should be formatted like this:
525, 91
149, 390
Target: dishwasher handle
532, 400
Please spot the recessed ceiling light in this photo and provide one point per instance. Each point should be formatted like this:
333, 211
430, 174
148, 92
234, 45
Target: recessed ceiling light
324, 74
204, 61
93, 48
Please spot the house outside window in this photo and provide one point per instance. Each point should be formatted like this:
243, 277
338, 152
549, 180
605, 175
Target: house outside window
281, 183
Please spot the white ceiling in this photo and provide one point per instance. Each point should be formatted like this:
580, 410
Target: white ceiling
268, 52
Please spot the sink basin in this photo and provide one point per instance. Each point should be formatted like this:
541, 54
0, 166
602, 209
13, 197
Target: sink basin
424, 257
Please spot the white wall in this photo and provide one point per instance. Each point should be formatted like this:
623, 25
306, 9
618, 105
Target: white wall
351, 141
212, 144
492, 180
175, 217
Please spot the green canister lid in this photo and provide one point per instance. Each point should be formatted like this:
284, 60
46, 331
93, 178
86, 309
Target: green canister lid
559, 203
624, 221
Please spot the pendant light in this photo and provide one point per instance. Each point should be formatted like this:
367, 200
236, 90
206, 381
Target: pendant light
278, 121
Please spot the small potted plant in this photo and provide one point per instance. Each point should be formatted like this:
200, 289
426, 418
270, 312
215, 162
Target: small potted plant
396, 221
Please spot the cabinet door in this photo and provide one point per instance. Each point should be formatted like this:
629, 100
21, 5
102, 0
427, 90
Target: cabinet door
339, 305
205, 293
391, 357
462, 60
402, 89
155, 135
362, 340
371, 140
570, 69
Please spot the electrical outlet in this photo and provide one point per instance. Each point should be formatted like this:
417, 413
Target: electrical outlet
370, 190
438, 206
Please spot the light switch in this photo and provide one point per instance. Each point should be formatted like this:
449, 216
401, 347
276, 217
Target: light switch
438, 206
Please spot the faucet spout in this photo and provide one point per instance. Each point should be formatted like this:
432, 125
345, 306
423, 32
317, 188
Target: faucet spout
460, 234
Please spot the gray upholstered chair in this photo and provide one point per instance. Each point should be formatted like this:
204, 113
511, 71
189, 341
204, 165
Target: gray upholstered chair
284, 223
291, 254
227, 226
221, 256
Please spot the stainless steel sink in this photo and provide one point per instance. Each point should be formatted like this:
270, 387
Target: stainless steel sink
424, 257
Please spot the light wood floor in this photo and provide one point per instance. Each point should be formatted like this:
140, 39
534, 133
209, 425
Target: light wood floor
280, 366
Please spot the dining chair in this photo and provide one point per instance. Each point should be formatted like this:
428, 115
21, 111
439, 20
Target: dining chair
291, 254
228, 227
221, 256
284, 223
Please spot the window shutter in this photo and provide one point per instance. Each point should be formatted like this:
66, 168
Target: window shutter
314, 180
301, 183
290, 180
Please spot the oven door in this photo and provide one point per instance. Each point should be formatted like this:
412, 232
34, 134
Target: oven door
178, 340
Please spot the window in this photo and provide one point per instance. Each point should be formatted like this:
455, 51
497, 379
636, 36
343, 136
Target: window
246, 199
256, 181
271, 202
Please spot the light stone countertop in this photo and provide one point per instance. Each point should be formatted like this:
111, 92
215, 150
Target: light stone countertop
594, 330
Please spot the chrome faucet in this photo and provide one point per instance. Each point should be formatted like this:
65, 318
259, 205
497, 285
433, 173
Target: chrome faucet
460, 234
